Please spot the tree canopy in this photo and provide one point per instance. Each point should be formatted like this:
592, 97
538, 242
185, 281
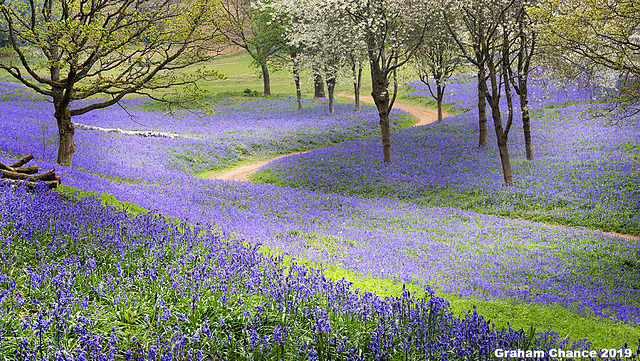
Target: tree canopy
103, 50
600, 37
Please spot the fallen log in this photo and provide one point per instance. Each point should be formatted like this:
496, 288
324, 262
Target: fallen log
5, 167
30, 185
16, 174
48, 176
22, 161
33, 169
13, 175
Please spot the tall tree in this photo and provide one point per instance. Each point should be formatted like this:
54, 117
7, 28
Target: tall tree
524, 44
102, 51
437, 58
392, 31
251, 28
596, 37
489, 29
474, 33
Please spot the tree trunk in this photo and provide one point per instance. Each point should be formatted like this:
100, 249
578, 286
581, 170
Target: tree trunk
296, 79
440, 97
318, 85
66, 131
331, 85
265, 79
356, 86
482, 108
501, 135
380, 95
385, 129
504, 156
526, 121
524, 58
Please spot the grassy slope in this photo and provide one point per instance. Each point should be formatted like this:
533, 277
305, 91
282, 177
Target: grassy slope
603, 333
241, 75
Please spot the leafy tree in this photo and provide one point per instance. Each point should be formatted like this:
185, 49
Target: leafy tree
101, 51
251, 28
392, 31
589, 36
4, 39
437, 58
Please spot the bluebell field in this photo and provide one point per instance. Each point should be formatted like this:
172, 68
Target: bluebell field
81, 281
72, 270
585, 172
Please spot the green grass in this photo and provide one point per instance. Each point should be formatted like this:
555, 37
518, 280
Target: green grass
241, 74
602, 333
106, 199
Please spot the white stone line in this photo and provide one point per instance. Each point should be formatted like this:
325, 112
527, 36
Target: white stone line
142, 133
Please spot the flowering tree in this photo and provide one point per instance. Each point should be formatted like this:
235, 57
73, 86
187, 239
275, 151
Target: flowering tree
101, 51
392, 31
326, 43
437, 58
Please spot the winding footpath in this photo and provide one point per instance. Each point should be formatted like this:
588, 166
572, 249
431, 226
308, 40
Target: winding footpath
243, 172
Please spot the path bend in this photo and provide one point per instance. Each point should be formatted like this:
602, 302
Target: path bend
242, 173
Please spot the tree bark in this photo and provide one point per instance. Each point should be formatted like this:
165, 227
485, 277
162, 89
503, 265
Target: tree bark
48, 176
526, 48
318, 85
504, 157
27, 170
385, 129
380, 95
482, 108
66, 130
265, 79
501, 134
331, 84
30, 185
440, 97
22, 161
501, 137
356, 86
296, 79
5, 167
526, 120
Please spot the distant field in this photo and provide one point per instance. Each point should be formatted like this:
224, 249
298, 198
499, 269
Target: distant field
241, 75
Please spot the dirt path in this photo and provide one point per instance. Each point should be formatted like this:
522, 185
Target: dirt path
424, 115
243, 172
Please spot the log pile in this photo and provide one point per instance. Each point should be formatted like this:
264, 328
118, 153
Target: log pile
17, 173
